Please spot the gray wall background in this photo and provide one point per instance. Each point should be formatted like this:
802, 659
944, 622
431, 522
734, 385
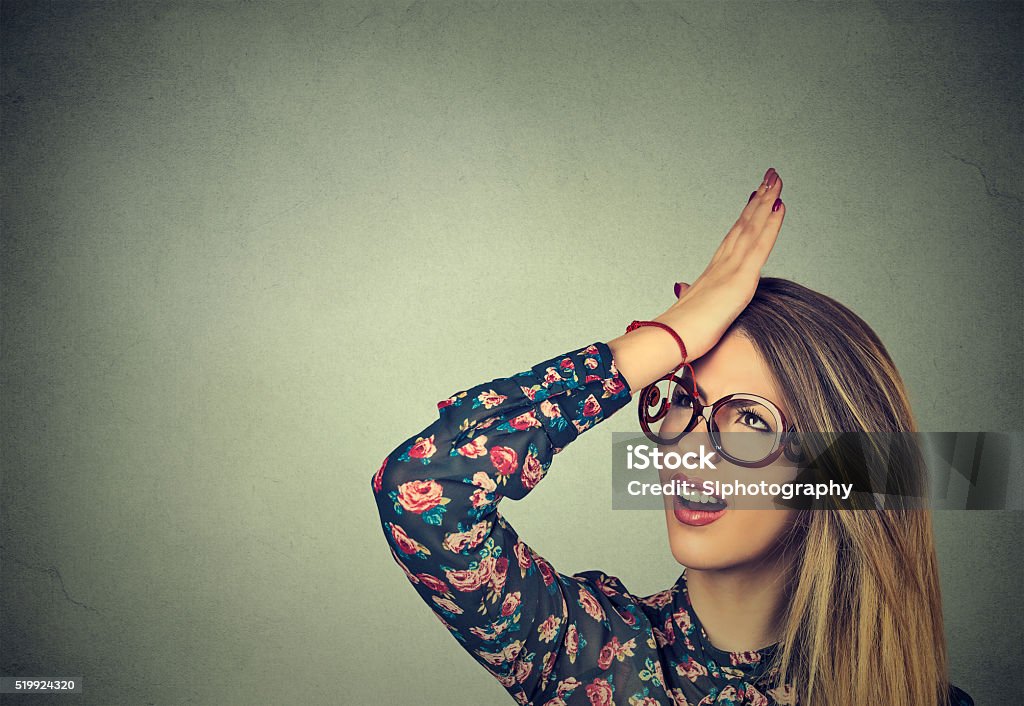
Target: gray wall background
247, 246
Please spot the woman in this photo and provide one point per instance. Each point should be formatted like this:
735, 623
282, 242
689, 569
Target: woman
775, 606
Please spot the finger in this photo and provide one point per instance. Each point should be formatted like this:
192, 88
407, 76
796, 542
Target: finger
680, 288
762, 204
754, 205
762, 247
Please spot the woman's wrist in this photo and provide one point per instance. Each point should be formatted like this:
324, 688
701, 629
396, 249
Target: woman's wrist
645, 355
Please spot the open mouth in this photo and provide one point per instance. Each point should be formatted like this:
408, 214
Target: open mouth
702, 503
696, 498
695, 507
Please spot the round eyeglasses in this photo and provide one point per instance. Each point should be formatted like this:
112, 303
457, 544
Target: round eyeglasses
746, 429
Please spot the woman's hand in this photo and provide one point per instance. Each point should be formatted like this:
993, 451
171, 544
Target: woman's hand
705, 309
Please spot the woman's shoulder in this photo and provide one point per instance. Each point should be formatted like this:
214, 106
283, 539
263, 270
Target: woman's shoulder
959, 697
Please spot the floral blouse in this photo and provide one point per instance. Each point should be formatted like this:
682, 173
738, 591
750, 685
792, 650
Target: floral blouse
548, 638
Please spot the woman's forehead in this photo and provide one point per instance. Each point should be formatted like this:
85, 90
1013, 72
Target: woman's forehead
733, 366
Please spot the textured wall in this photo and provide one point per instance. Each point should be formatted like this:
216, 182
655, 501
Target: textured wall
243, 249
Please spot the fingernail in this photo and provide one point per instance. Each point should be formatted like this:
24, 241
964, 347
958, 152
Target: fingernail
677, 288
776, 205
752, 195
765, 177
773, 178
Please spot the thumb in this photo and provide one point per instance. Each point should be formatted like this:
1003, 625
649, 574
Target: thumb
680, 288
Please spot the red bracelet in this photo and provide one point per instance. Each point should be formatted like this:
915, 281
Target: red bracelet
682, 346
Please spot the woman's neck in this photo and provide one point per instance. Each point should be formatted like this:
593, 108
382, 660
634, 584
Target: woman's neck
740, 607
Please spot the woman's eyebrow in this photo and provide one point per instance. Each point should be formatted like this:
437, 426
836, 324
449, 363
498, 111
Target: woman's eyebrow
689, 383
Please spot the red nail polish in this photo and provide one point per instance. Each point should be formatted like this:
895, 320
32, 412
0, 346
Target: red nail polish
777, 205
752, 195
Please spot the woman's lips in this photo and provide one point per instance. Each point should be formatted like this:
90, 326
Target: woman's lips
688, 516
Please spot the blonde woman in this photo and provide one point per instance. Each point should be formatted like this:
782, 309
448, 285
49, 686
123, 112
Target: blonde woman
829, 607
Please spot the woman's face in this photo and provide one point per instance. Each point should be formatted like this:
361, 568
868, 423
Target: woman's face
749, 527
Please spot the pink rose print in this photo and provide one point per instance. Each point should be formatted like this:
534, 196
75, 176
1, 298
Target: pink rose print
423, 448
549, 628
447, 604
678, 698
547, 665
457, 541
613, 386
755, 697
592, 378
485, 569
479, 498
378, 477
555, 702
591, 349
572, 642
420, 495
728, 694
567, 686
522, 553
590, 605
590, 363
484, 481
591, 407
475, 448
524, 421
600, 693
529, 392
784, 695
645, 701
532, 471
738, 658
691, 669
504, 460
523, 669
511, 602
659, 599
506, 655
433, 583
491, 399
567, 364
551, 375
549, 409
463, 579
683, 618
670, 631
446, 403
405, 543
499, 574
546, 572
627, 617
614, 650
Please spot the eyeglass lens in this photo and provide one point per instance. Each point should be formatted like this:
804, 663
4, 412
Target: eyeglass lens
744, 428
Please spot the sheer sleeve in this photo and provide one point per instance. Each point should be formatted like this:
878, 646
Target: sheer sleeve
438, 494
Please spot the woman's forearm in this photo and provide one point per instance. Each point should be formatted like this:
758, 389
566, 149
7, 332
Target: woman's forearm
644, 355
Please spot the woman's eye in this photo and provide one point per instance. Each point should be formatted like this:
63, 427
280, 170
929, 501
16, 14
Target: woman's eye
681, 399
754, 422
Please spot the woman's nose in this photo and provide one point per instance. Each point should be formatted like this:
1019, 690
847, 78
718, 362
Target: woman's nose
715, 456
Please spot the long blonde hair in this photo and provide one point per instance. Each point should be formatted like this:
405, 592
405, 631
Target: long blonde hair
863, 623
